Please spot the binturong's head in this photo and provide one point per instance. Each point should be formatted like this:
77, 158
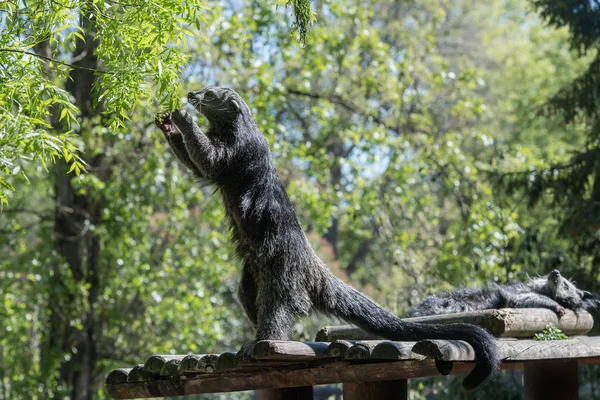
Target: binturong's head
221, 106
568, 295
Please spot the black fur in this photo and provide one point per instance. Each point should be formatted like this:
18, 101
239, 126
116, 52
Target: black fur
282, 279
552, 291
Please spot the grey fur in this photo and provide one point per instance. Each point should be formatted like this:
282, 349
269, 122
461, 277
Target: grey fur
282, 279
552, 291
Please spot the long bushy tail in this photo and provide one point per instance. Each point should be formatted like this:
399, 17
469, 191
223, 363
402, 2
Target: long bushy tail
351, 305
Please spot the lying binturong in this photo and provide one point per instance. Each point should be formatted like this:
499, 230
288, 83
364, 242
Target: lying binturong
553, 291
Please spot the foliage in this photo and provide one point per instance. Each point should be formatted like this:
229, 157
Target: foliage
388, 127
550, 332
39, 50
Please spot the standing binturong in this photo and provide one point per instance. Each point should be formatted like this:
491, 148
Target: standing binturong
282, 279
553, 291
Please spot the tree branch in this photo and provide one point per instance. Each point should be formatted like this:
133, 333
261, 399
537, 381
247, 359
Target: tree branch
6, 50
347, 104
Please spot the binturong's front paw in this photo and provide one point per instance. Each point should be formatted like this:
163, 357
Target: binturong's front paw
182, 117
560, 311
164, 123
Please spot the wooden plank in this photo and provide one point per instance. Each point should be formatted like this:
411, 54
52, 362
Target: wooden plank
295, 393
288, 350
505, 322
556, 380
282, 377
381, 390
513, 350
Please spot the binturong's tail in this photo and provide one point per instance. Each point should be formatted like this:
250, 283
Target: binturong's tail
351, 305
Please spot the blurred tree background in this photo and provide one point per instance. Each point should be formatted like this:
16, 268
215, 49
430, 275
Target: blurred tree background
425, 144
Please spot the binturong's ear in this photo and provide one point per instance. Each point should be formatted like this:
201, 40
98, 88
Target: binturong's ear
235, 106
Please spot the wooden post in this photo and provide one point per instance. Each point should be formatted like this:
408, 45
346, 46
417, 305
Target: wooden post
294, 393
376, 390
551, 380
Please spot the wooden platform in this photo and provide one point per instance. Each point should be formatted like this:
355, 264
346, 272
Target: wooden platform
369, 369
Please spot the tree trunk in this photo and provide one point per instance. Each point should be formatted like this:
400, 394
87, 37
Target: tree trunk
78, 247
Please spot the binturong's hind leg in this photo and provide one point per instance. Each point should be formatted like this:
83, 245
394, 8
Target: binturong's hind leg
277, 312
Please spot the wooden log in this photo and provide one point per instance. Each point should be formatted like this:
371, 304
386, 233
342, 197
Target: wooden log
138, 374
505, 322
513, 350
295, 393
188, 363
361, 350
387, 350
555, 380
207, 363
381, 390
199, 363
287, 350
118, 376
226, 361
343, 332
338, 348
170, 368
156, 362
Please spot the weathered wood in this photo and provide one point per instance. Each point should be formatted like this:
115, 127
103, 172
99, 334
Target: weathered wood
199, 363
170, 368
138, 374
226, 361
556, 380
281, 377
506, 322
189, 362
285, 350
118, 376
513, 350
156, 362
338, 348
361, 350
295, 393
343, 332
381, 390
207, 363
387, 350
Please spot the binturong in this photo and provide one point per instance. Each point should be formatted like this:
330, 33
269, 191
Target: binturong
552, 291
282, 279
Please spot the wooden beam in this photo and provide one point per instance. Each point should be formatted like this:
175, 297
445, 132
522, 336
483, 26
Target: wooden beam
282, 377
556, 380
295, 393
381, 390
505, 322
